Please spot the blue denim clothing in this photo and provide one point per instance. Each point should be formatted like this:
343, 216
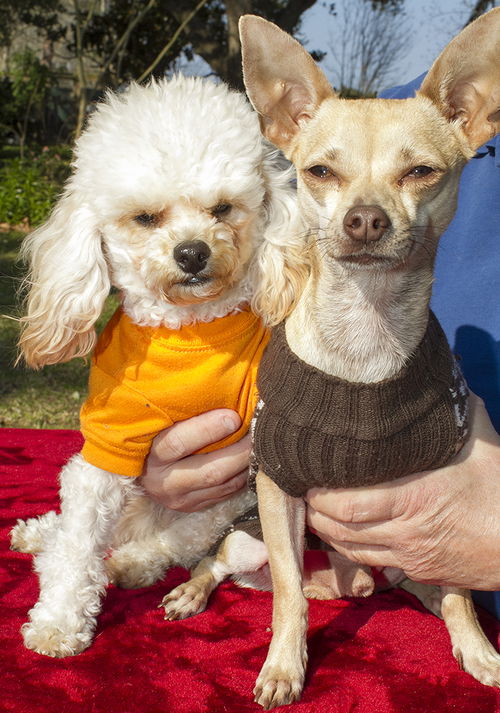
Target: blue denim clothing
466, 295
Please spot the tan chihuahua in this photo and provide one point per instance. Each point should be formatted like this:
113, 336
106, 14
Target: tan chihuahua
377, 186
349, 291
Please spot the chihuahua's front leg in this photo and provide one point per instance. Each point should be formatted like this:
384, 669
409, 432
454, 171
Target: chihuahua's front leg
283, 521
71, 567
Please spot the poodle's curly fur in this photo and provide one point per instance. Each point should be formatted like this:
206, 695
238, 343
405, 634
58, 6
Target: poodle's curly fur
157, 166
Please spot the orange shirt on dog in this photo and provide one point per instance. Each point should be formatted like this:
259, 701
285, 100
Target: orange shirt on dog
144, 379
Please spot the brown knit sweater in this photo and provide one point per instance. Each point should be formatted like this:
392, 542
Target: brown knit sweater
311, 429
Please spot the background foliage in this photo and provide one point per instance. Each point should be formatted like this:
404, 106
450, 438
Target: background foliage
30, 185
56, 59
51, 397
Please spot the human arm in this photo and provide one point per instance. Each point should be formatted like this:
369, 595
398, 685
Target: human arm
183, 480
441, 526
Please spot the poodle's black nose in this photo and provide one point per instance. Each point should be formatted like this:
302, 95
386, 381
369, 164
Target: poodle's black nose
192, 256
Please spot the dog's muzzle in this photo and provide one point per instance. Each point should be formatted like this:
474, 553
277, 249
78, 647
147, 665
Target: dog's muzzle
192, 256
366, 223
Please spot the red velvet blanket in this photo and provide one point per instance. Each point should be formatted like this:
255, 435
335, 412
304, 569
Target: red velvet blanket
380, 655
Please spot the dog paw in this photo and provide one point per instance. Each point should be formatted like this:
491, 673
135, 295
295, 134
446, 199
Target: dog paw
277, 686
484, 664
19, 538
50, 640
185, 600
27, 536
363, 584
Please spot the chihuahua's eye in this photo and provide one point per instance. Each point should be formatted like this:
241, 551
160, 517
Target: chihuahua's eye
221, 209
420, 171
149, 220
320, 171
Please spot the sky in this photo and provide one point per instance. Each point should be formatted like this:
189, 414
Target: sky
432, 24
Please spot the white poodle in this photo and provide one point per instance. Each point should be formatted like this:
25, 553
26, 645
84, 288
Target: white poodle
172, 193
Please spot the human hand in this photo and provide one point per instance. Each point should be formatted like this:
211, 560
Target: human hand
440, 527
181, 479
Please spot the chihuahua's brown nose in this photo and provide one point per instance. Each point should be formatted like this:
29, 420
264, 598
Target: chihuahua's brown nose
366, 223
192, 256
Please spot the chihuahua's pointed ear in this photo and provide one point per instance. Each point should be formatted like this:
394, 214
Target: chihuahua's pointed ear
282, 80
67, 284
464, 81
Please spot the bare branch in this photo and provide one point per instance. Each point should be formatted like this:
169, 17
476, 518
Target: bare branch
122, 42
369, 42
291, 13
172, 40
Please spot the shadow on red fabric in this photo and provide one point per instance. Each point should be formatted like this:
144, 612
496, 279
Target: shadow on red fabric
384, 654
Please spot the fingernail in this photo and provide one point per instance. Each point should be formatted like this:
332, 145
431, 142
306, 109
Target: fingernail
231, 423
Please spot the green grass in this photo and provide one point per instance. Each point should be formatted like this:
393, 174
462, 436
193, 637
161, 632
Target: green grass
30, 186
51, 397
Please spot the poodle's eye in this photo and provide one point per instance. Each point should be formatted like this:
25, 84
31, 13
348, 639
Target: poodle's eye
320, 171
221, 209
149, 220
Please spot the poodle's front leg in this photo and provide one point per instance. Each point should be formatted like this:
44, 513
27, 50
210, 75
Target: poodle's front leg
71, 568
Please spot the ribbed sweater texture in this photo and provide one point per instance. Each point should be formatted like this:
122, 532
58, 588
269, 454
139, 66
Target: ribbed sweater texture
315, 430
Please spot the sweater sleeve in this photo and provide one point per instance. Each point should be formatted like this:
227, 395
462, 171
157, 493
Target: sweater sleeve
118, 424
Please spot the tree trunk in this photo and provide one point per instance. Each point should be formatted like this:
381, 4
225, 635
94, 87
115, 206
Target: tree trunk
234, 10
291, 13
479, 8
81, 85
228, 67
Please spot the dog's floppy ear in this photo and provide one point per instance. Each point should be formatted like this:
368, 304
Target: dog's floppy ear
67, 285
280, 268
282, 80
464, 81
